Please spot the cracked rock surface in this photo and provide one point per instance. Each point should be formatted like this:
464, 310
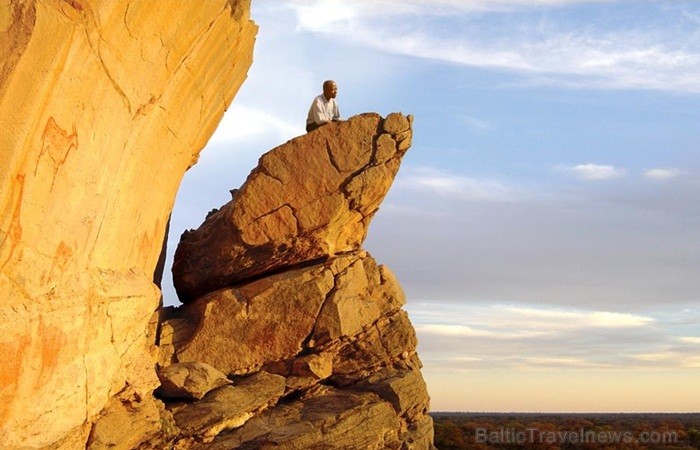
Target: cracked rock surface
310, 198
283, 299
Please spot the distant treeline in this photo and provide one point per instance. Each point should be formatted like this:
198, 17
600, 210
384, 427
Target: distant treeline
477, 431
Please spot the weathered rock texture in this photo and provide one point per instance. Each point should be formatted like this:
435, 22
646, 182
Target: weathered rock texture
190, 380
310, 198
295, 311
104, 105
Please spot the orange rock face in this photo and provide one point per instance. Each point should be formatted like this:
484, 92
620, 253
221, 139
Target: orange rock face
285, 289
104, 105
309, 198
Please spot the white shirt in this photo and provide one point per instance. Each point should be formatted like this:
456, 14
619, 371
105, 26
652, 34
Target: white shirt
323, 110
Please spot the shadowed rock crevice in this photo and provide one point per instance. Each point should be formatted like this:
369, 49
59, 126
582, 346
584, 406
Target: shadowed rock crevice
281, 298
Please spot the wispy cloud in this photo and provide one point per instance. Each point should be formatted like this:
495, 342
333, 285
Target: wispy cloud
692, 340
561, 319
594, 172
645, 56
246, 123
669, 358
458, 186
519, 322
468, 331
320, 14
557, 362
662, 174
660, 356
477, 126
522, 336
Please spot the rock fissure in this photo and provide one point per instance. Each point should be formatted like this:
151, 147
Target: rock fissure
272, 213
331, 158
110, 76
267, 172
126, 21
307, 342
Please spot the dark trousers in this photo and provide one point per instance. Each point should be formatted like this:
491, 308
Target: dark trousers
312, 126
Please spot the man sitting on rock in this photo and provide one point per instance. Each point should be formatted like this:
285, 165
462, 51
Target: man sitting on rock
324, 108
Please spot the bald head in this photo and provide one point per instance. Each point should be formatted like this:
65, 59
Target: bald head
330, 89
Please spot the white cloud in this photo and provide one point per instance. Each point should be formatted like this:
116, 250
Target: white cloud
604, 319
494, 320
539, 361
562, 319
245, 123
662, 174
656, 356
468, 331
692, 340
477, 126
466, 359
647, 56
315, 14
522, 336
323, 16
594, 172
669, 358
456, 186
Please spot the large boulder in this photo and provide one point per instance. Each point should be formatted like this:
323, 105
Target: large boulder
310, 198
240, 329
330, 419
189, 380
229, 407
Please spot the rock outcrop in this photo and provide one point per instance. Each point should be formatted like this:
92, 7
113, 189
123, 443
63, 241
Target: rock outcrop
281, 217
104, 105
282, 298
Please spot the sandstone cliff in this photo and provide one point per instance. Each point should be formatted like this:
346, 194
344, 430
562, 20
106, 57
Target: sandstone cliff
104, 105
283, 301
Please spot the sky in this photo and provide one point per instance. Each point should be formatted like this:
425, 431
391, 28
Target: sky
544, 224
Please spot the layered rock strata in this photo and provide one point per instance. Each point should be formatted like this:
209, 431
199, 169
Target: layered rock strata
283, 300
104, 105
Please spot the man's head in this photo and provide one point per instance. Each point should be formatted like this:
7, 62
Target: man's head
329, 89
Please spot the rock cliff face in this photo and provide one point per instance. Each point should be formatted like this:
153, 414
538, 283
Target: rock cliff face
282, 299
104, 105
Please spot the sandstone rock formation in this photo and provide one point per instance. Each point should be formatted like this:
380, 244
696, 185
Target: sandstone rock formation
189, 380
310, 198
104, 105
292, 308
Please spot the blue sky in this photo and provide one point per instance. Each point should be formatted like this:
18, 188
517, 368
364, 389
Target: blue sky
544, 224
